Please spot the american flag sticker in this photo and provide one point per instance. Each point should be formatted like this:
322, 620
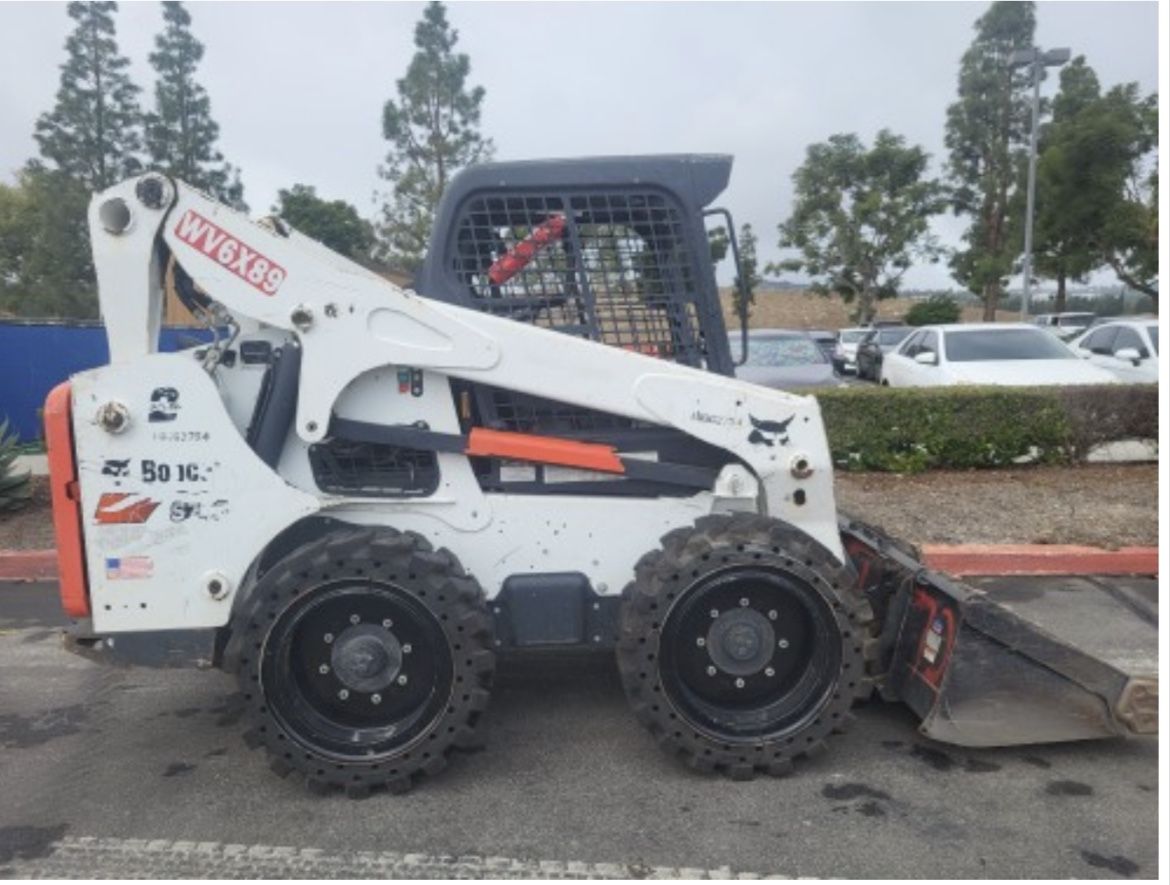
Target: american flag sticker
128, 568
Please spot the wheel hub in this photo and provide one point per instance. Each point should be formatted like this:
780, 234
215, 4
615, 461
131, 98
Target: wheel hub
344, 674
748, 650
741, 641
366, 657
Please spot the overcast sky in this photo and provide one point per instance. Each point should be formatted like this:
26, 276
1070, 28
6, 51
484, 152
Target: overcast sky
298, 88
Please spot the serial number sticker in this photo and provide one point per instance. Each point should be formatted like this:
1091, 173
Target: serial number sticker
221, 247
181, 436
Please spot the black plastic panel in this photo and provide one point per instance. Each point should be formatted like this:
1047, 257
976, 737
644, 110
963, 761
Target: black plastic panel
557, 609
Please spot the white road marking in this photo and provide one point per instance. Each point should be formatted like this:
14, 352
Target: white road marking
103, 857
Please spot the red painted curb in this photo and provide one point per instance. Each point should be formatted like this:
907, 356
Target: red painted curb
1039, 559
28, 565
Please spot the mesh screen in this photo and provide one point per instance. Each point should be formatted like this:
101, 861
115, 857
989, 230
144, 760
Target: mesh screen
344, 467
614, 266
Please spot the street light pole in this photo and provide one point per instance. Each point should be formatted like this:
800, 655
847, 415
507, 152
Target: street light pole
1036, 61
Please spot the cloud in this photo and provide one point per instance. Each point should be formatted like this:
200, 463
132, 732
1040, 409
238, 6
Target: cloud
298, 88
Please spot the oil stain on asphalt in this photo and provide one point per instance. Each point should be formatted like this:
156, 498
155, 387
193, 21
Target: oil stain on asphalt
28, 843
230, 712
844, 792
940, 761
1068, 788
873, 797
1116, 863
20, 732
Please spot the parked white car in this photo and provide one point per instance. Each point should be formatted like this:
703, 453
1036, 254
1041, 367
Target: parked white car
1016, 354
1127, 348
1065, 326
845, 352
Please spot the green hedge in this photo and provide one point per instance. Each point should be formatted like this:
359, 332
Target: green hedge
909, 430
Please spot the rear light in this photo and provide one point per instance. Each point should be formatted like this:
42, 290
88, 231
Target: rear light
66, 497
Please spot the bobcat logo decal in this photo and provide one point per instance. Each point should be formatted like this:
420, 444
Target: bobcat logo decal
768, 433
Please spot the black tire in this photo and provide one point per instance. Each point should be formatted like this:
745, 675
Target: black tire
406, 593
792, 716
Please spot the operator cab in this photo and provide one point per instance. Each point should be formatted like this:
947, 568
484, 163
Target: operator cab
613, 249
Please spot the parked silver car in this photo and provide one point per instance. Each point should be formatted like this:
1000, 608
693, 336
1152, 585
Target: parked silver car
787, 359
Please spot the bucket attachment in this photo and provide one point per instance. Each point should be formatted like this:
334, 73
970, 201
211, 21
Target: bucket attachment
1002, 661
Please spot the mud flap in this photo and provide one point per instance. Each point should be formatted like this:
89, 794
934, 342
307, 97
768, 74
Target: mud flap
1002, 661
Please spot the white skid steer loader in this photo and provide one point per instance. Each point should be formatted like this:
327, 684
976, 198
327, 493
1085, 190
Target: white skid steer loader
354, 496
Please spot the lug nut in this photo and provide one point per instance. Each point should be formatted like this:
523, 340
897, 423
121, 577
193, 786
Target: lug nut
768, 671
355, 619
323, 669
744, 602
343, 694
402, 679
714, 612
739, 682
328, 637
783, 643
700, 642
711, 671
375, 698
387, 624
407, 649
773, 615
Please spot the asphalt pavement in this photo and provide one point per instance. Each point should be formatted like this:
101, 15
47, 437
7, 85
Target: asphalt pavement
119, 772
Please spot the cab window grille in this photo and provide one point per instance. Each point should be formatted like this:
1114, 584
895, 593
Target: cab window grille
373, 470
529, 414
614, 266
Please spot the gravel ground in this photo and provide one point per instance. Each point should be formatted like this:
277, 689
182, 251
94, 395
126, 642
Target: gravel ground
31, 527
1102, 505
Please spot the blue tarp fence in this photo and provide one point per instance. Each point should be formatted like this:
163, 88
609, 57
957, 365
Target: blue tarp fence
37, 355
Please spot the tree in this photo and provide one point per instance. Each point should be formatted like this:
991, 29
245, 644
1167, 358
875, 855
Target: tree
93, 132
861, 217
1094, 196
937, 309
1065, 226
718, 243
334, 223
433, 130
46, 267
180, 133
986, 134
1129, 238
749, 267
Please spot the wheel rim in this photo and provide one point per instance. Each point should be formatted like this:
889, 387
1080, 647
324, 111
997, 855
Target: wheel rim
355, 672
749, 653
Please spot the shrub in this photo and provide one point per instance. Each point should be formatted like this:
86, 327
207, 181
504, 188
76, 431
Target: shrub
970, 427
14, 487
1100, 414
935, 309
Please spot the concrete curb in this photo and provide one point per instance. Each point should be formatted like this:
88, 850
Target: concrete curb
960, 560
969, 560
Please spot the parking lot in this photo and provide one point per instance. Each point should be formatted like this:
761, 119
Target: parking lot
112, 772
